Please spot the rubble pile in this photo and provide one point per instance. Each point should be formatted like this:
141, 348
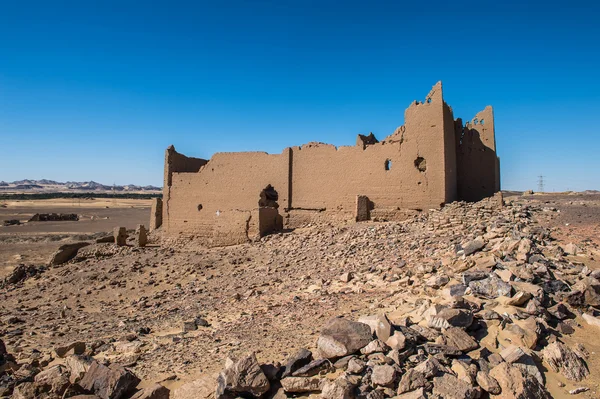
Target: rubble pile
470, 301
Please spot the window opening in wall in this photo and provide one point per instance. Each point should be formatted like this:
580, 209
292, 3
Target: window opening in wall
199, 207
429, 101
388, 164
421, 164
481, 121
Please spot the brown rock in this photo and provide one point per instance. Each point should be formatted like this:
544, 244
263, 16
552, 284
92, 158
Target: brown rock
473, 246
78, 366
375, 346
488, 383
54, 379
380, 325
156, 391
396, 341
411, 380
522, 359
491, 287
383, 375
340, 388
66, 252
26, 390
516, 385
458, 338
242, 377
302, 384
341, 337
313, 368
519, 299
416, 394
451, 317
449, 387
78, 348
520, 333
464, 371
202, 388
417, 377
300, 359
356, 366
112, 382
560, 358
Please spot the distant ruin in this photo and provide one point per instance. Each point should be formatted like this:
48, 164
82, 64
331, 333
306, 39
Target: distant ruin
431, 160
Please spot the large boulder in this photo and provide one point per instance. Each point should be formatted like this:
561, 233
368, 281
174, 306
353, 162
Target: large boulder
242, 377
520, 333
299, 360
340, 388
302, 384
450, 317
54, 379
66, 252
448, 386
458, 338
562, 359
78, 366
516, 385
341, 337
113, 382
491, 287
384, 375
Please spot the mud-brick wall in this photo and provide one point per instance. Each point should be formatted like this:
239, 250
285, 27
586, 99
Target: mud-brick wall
477, 163
230, 182
409, 172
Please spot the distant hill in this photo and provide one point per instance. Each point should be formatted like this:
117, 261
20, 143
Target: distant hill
54, 186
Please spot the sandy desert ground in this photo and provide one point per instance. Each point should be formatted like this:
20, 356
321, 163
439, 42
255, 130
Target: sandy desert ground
34, 242
129, 304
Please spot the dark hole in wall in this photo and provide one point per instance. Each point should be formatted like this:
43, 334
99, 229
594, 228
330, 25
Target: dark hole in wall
269, 197
199, 207
387, 164
421, 164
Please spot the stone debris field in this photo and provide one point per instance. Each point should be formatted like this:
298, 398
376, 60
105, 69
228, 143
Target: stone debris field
494, 299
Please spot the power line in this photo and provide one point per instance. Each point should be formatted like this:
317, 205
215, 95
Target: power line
540, 183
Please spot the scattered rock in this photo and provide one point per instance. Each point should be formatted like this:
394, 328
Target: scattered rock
112, 382
341, 337
302, 384
459, 339
383, 375
473, 246
491, 287
562, 359
448, 386
241, 377
380, 325
515, 385
489, 384
156, 391
450, 317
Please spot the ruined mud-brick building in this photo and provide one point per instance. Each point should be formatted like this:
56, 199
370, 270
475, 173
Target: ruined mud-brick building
432, 160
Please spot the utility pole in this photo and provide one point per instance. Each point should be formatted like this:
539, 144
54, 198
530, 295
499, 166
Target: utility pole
540, 183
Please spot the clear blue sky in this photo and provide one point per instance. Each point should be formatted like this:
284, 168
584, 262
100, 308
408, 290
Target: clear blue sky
96, 90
